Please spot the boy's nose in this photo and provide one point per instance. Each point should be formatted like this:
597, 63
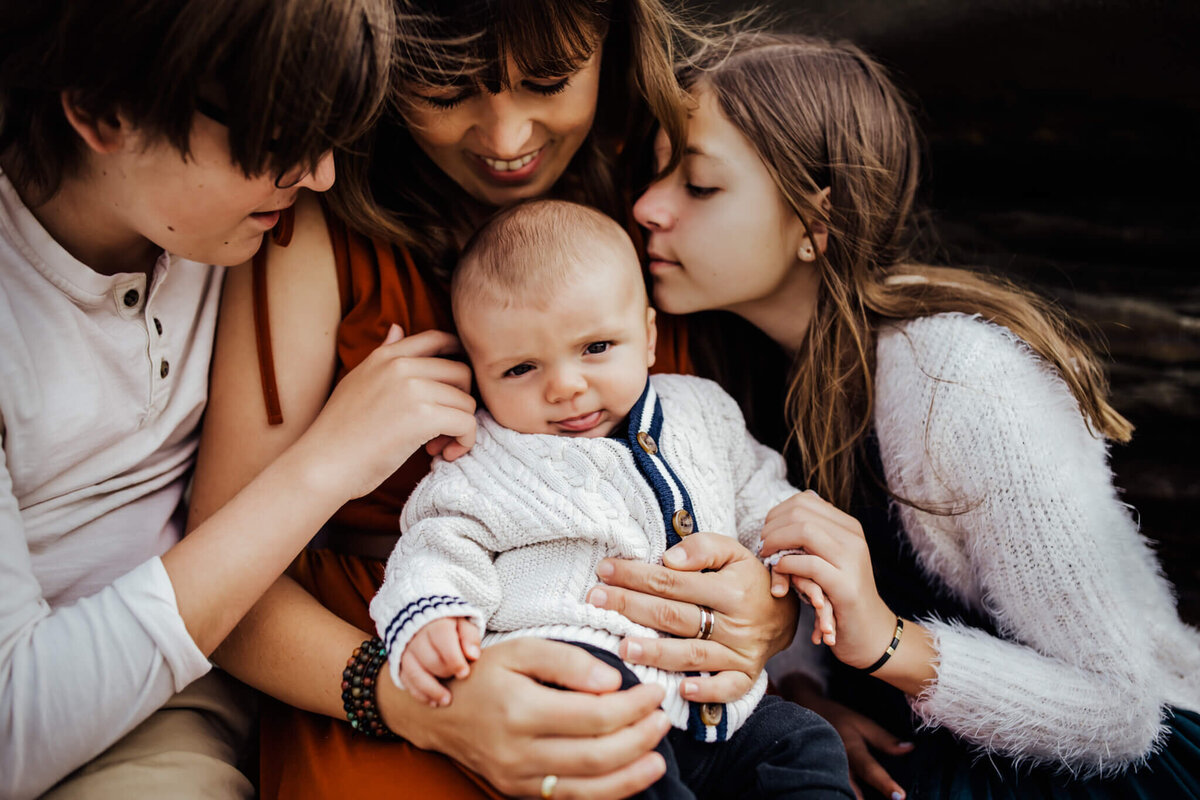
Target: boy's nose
565, 384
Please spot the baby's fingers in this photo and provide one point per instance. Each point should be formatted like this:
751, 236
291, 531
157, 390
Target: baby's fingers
468, 637
824, 629
420, 683
450, 661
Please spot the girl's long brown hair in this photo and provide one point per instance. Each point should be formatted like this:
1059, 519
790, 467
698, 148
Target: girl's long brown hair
390, 189
824, 114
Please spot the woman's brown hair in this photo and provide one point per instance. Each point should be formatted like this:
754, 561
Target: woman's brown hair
822, 115
389, 189
294, 78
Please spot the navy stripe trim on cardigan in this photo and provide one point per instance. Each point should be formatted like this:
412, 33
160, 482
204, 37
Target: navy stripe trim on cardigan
416, 608
647, 417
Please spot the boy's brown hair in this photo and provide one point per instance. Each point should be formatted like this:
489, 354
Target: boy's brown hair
292, 78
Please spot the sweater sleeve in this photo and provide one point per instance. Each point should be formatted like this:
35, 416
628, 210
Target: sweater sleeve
972, 423
75, 678
759, 473
442, 566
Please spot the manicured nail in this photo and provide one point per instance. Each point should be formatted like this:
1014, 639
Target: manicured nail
906, 745
604, 570
897, 795
598, 597
633, 650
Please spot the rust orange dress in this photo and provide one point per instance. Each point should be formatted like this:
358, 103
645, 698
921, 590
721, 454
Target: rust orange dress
305, 755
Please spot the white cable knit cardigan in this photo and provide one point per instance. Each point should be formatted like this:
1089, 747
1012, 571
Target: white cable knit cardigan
510, 534
1092, 648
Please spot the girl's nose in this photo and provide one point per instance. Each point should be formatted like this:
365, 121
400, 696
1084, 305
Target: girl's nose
652, 209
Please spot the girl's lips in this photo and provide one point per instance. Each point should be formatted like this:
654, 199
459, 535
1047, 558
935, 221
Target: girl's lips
508, 176
656, 266
581, 423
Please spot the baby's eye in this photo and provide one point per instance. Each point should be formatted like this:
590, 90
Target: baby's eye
519, 369
596, 348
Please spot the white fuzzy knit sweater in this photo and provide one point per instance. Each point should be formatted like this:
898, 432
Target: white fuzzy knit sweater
510, 534
1091, 646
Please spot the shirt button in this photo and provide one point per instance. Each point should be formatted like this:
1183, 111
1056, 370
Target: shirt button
164, 369
682, 522
647, 442
131, 298
158, 326
711, 713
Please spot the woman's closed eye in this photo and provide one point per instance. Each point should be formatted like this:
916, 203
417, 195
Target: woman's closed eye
548, 88
701, 192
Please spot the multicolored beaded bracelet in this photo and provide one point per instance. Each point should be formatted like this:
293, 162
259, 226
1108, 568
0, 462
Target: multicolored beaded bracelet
358, 689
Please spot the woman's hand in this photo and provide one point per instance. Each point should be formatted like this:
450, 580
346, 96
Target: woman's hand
508, 725
403, 395
705, 569
859, 734
835, 557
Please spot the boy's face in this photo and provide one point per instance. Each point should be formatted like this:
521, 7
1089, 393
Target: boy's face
201, 208
570, 365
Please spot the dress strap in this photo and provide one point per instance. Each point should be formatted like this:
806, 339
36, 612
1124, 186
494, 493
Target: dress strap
281, 235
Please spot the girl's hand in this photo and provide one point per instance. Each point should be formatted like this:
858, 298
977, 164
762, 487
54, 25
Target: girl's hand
836, 558
513, 727
859, 734
401, 396
705, 569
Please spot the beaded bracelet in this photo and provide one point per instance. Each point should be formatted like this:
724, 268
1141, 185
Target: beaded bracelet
358, 689
891, 647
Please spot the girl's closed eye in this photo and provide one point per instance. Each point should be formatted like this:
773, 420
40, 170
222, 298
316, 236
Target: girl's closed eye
596, 348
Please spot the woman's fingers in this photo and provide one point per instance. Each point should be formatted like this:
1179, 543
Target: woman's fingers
682, 655
563, 755
680, 618
721, 687
630, 780
801, 531
869, 771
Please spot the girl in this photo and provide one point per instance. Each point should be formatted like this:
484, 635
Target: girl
1009, 602
497, 102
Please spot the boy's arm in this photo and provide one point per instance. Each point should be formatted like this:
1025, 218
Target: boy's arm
74, 679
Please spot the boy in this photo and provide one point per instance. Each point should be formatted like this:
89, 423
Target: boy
144, 144
581, 457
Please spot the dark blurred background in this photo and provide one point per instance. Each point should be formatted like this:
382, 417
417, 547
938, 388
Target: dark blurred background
1064, 151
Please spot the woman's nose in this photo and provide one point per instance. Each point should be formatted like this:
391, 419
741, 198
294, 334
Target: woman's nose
652, 209
321, 176
505, 128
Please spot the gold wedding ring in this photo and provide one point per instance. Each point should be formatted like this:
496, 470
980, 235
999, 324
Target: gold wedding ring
548, 784
708, 621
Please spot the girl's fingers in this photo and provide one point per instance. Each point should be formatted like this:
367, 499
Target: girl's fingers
813, 568
810, 534
820, 507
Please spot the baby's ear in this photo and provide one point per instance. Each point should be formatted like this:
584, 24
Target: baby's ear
651, 336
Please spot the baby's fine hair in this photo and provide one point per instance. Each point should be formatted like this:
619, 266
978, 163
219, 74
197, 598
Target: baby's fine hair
528, 252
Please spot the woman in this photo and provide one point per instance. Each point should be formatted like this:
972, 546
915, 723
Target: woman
1011, 603
497, 103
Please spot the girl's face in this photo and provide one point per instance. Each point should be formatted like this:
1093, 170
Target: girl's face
510, 146
721, 235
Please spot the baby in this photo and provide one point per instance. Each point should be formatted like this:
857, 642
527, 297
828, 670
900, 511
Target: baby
581, 456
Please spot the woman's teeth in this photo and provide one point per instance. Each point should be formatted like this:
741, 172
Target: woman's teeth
508, 166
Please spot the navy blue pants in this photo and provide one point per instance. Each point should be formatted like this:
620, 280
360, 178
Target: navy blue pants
782, 751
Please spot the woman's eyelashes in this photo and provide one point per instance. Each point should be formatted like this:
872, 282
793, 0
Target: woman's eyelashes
701, 192
448, 101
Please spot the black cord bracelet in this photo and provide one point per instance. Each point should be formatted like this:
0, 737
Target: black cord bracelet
358, 689
891, 647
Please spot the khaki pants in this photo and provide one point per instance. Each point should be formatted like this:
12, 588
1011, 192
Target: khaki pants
189, 748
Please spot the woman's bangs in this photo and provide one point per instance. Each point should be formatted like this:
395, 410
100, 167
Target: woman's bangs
475, 45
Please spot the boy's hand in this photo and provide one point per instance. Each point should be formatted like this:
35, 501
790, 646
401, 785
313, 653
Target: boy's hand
441, 649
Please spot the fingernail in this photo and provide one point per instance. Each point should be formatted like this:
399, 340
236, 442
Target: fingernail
674, 558
600, 677
897, 795
662, 721
604, 570
906, 745
598, 597
689, 688
633, 650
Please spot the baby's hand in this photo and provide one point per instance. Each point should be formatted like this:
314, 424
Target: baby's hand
442, 649
824, 629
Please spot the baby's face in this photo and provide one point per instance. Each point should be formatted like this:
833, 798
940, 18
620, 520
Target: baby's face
572, 364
